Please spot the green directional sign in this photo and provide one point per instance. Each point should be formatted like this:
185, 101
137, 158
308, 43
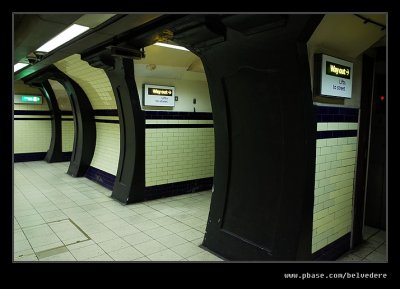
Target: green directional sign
28, 99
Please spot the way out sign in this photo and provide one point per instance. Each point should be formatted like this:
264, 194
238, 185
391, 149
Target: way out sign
332, 76
158, 95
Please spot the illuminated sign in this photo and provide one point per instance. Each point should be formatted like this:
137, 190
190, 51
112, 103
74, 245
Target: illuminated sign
158, 95
28, 99
332, 76
337, 70
158, 91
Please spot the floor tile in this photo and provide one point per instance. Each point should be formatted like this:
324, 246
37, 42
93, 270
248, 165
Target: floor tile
26, 258
158, 232
187, 249
190, 234
171, 240
165, 255
204, 256
113, 245
102, 236
126, 254
125, 230
376, 257
100, 258
149, 247
146, 225
137, 238
87, 252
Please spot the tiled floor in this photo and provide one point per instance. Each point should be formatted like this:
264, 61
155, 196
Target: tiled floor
373, 249
60, 218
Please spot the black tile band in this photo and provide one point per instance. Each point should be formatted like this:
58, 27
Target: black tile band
67, 119
333, 250
101, 177
336, 114
336, 134
154, 192
65, 112
32, 112
178, 115
174, 189
107, 120
29, 157
66, 156
179, 125
105, 112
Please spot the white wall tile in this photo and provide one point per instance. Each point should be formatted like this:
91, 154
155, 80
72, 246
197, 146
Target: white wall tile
333, 192
353, 126
67, 129
106, 154
31, 136
93, 81
178, 154
327, 126
322, 126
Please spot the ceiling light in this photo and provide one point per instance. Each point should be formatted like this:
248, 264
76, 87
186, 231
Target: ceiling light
19, 66
171, 46
65, 36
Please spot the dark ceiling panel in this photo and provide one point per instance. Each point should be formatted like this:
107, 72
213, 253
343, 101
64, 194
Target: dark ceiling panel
97, 36
33, 30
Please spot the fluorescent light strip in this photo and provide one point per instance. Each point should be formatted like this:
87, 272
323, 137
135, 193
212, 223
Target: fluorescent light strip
19, 66
65, 36
171, 46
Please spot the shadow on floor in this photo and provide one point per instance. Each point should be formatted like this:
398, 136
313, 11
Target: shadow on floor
373, 249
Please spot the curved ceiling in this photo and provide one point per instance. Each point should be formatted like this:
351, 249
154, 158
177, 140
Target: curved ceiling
348, 34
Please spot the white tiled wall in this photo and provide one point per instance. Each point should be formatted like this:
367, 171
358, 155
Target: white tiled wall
97, 87
41, 107
106, 154
93, 81
178, 154
67, 128
334, 185
31, 136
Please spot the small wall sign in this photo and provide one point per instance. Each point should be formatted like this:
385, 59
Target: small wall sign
158, 95
332, 76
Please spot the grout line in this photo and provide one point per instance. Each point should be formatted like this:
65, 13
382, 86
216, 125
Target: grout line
79, 228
